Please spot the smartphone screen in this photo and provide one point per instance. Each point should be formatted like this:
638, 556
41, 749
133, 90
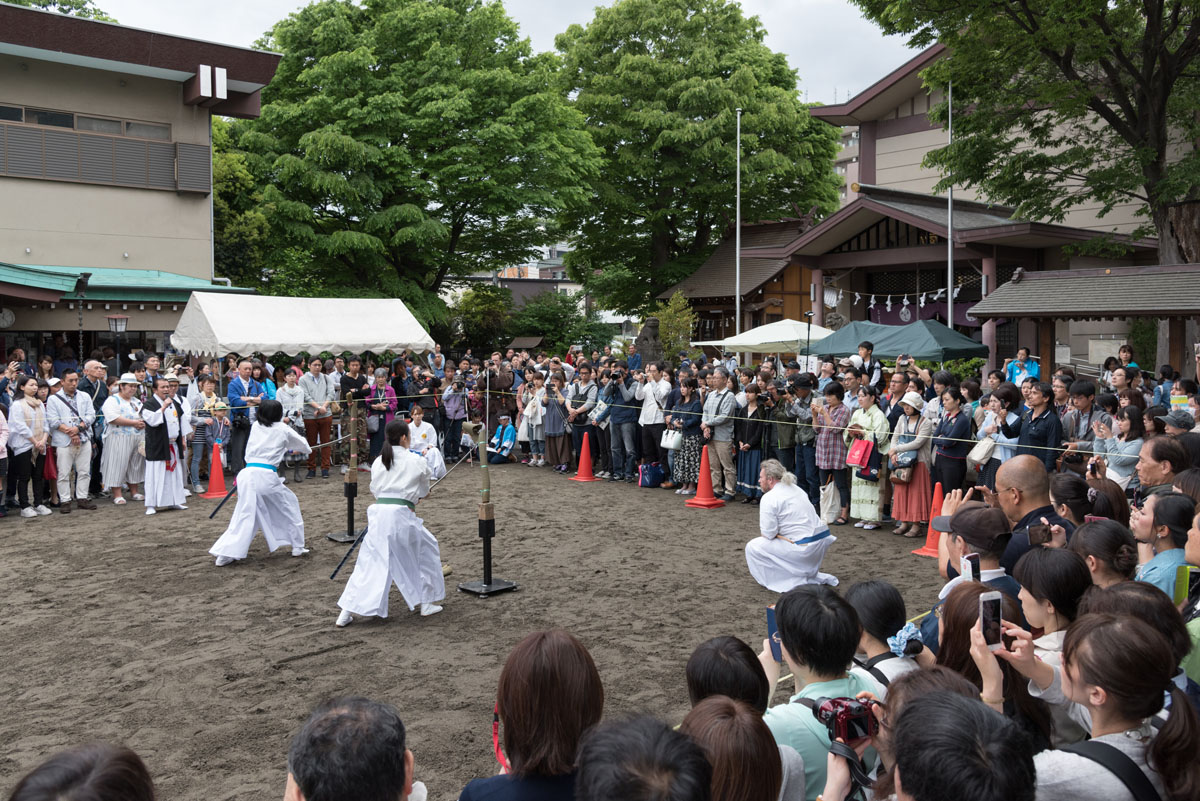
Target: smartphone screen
968, 566
773, 635
990, 606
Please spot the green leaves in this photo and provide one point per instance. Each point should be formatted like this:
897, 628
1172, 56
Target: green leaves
658, 82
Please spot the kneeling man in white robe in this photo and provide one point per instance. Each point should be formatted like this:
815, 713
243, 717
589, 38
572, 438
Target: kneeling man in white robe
166, 428
793, 538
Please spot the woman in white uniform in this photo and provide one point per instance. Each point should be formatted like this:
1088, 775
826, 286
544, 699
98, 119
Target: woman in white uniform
397, 547
262, 499
423, 439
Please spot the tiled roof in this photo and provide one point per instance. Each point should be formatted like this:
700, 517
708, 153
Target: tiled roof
112, 283
715, 278
1166, 291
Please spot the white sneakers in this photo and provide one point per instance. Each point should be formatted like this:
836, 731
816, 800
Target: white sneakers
344, 619
180, 506
224, 560
29, 511
429, 609
299, 551
42, 509
150, 510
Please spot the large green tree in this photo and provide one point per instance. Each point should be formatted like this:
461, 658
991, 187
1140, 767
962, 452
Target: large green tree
658, 82
562, 321
239, 223
1066, 103
405, 142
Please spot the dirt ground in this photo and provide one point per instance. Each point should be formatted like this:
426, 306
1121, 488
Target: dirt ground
118, 627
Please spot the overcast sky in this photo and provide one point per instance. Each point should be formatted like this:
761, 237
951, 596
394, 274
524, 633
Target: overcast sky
827, 41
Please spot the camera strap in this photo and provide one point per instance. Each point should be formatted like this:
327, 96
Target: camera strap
859, 775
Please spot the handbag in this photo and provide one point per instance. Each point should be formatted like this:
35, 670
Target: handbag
900, 475
860, 453
981, 453
672, 439
650, 475
373, 424
831, 502
870, 471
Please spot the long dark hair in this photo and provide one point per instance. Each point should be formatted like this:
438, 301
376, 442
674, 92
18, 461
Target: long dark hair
1056, 575
1133, 663
392, 434
1108, 542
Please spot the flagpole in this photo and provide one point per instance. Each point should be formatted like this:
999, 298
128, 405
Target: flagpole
737, 236
950, 213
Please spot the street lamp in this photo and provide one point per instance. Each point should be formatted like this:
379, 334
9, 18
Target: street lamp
117, 324
808, 316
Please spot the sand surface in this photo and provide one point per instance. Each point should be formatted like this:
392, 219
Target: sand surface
118, 627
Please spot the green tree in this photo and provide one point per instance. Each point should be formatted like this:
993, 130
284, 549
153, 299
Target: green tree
404, 142
75, 8
676, 322
239, 224
658, 82
561, 322
1063, 103
482, 315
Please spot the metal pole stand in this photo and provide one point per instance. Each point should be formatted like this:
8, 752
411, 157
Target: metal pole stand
487, 530
350, 484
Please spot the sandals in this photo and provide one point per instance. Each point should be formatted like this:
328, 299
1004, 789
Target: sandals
916, 531
120, 501
841, 521
870, 526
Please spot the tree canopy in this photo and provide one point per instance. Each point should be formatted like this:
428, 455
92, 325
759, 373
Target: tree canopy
1066, 103
404, 142
658, 82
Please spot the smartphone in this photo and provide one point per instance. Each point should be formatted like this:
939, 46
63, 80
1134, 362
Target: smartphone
1187, 580
773, 634
968, 566
990, 610
1039, 534
1093, 518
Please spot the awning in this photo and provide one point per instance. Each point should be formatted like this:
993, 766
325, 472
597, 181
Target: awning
215, 324
524, 343
105, 284
925, 339
781, 336
1111, 292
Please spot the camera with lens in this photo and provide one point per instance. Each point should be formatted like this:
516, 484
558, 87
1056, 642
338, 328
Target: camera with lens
847, 719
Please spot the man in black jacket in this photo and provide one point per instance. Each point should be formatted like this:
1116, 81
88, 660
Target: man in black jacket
166, 429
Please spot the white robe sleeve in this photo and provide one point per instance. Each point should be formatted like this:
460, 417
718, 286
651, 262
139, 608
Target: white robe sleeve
295, 442
153, 418
768, 518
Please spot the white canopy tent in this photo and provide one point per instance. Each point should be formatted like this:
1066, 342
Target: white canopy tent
781, 336
214, 324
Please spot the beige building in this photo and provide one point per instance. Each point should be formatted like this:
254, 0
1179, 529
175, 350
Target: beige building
106, 174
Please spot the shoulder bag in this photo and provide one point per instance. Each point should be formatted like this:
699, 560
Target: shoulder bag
672, 439
981, 453
1118, 764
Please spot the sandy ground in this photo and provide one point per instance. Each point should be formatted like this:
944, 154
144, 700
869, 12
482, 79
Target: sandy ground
118, 627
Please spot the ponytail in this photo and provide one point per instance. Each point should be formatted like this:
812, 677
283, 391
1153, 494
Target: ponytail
392, 434
1173, 752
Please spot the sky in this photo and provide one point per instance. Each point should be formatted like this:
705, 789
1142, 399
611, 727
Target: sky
835, 51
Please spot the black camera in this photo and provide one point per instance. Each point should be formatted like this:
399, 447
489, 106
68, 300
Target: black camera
847, 719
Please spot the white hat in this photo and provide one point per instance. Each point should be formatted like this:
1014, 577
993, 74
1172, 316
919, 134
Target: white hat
54, 382
128, 378
914, 400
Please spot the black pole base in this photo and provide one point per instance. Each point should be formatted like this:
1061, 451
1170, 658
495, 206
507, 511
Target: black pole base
344, 537
483, 589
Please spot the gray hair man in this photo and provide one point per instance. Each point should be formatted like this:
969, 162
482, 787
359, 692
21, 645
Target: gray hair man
792, 537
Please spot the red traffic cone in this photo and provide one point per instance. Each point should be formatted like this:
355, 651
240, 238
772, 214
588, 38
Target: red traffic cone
930, 548
704, 498
584, 473
216, 475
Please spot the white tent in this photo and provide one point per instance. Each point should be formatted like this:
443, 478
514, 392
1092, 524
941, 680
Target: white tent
214, 324
781, 336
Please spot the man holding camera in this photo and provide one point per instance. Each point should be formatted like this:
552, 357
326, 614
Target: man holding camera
800, 397
581, 399
716, 426
71, 416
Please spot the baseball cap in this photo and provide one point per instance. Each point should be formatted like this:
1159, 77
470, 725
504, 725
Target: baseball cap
983, 526
1180, 419
793, 365
804, 381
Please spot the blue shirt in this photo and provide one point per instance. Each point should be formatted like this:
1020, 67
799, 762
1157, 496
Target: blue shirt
1017, 375
634, 361
527, 788
1160, 571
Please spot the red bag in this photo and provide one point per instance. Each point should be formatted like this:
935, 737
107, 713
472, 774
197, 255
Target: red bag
50, 468
860, 453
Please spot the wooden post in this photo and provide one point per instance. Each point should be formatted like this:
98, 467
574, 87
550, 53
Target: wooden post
1046, 347
1181, 356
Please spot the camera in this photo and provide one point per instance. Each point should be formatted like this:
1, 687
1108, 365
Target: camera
848, 719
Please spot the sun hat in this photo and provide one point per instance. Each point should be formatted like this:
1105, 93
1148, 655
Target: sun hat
914, 400
128, 378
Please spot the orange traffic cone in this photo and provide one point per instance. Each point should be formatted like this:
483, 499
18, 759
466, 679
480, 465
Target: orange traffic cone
930, 548
584, 473
704, 498
216, 475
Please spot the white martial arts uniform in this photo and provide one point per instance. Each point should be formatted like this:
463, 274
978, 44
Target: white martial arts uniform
776, 563
423, 439
397, 548
262, 499
164, 487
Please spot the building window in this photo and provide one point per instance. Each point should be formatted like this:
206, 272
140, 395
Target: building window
12, 113
58, 119
148, 130
98, 125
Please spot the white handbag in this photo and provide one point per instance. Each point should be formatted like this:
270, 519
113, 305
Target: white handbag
672, 439
981, 453
831, 502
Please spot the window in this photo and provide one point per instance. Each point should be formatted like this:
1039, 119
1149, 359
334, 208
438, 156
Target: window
12, 113
58, 119
98, 124
148, 130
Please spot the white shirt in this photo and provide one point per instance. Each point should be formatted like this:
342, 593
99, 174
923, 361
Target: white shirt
176, 424
652, 394
58, 410
409, 477
23, 425
268, 444
786, 511
422, 437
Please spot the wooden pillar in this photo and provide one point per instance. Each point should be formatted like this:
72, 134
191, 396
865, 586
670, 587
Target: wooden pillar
818, 305
1181, 356
989, 326
1045, 329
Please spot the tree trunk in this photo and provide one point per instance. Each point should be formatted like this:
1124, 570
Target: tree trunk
1169, 251
1184, 220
